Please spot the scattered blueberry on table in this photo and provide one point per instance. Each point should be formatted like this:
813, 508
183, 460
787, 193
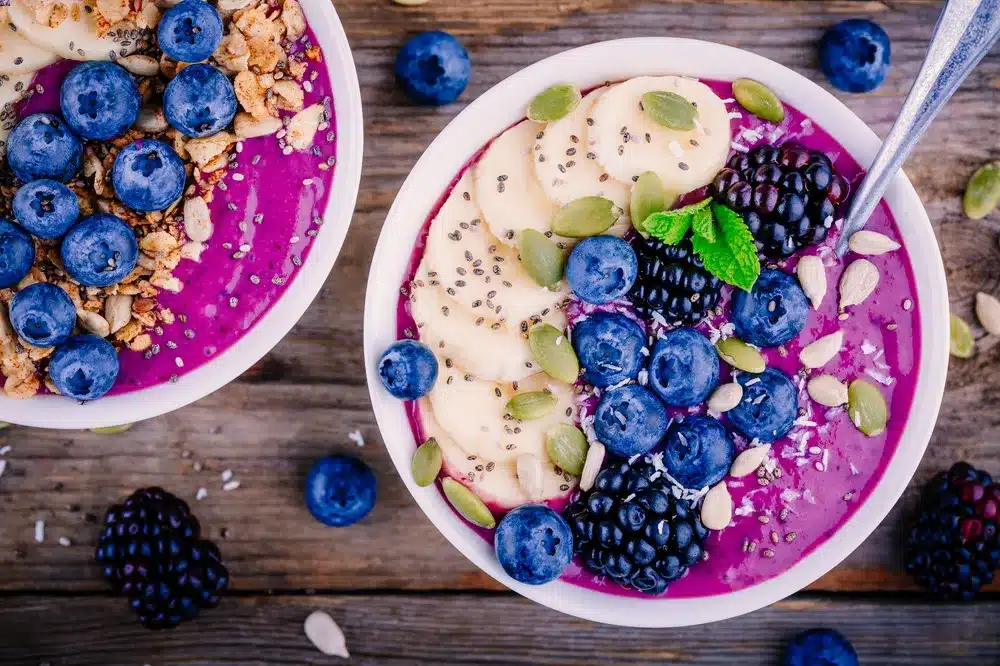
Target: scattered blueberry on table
84, 367
820, 647
190, 31
534, 544
433, 68
148, 176
151, 551
855, 55
601, 269
42, 314
340, 490
200, 101
99, 250
408, 369
46, 208
99, 100
43, 146
17, 253
609, 347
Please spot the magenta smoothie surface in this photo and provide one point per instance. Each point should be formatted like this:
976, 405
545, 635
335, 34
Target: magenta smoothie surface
824, 469
266, 213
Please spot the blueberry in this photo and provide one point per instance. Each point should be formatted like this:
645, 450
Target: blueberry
684, 368
340, 490
408, 369
99, 100
148, 176
84, 367
43, 315
609, 346
630, 420
820, 647
773, 312
199, 101
17, 253
601, 269
433, 68
855, 55
533, 544
46, 208
42, 146
769, 406
190, 31
698, 452
99, 250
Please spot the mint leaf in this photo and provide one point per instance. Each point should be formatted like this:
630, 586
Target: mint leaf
704, 225
732, 256
671, 226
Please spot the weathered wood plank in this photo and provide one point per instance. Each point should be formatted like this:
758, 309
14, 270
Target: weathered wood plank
477, 629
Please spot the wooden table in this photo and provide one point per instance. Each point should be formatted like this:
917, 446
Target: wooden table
401, 592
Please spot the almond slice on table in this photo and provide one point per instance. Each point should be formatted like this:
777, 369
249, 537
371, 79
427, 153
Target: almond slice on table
988, 313
326, 635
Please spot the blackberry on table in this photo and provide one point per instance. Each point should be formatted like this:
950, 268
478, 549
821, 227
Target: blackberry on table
672, 281
953, 549
152, 553
634, 530
788, 195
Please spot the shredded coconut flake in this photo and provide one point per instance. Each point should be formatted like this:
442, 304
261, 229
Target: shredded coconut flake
39, 531
356, 437
231, 485
227, 475
201, 494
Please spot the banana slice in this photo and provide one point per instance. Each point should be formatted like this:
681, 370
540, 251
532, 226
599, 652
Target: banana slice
18, 55
494, 482
507, 190
627, 142
472, 411
566, 167
494, 351
478, 272
75, 38
12, 88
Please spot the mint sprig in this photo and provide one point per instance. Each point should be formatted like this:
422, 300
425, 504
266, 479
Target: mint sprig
719, 237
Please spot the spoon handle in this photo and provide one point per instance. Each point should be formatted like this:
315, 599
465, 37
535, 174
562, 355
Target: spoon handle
964, 34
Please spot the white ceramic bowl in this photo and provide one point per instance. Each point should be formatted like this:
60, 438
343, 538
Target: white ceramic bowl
504, 104
56, 412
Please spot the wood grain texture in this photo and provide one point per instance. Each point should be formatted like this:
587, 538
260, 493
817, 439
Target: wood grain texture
476, 630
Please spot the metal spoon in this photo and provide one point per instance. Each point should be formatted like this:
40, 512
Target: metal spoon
964, 34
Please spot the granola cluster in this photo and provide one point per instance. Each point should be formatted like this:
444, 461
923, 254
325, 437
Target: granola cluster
266, 51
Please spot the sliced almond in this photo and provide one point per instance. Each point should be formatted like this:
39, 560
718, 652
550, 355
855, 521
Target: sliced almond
197, 220
827, 390
820, 352
858, 282
326, 635
717, 508
117, 311
725, 397
94, 323
303, 126
748, 461
592, 466
871, 243
152, 119
248, 127
529, 476
988, 313
812, 277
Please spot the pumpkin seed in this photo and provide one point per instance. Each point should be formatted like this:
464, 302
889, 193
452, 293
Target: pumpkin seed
982, 194
541, 258
740, 355
586, 216
468, 504
113, 430
962, 344
648, 197
567, 448
531, 405
758, 99
552, 350
4, 424
553, 103
669, 110
866, 407
426, 463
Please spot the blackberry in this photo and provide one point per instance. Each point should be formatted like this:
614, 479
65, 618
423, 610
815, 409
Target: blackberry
788, 195
672, 281
634, 530
151, 552
952, 548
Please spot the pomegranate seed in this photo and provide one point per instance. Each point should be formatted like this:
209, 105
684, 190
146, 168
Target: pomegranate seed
987, 509
972, 492
970, 528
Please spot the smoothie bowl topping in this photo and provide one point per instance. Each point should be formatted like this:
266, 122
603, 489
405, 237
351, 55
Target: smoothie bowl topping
140, 237
635, 361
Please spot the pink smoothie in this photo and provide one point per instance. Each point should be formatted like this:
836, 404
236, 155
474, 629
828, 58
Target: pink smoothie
825, 468
271, 205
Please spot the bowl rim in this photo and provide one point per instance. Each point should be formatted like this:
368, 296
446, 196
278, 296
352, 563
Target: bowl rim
501, 106
48, 411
